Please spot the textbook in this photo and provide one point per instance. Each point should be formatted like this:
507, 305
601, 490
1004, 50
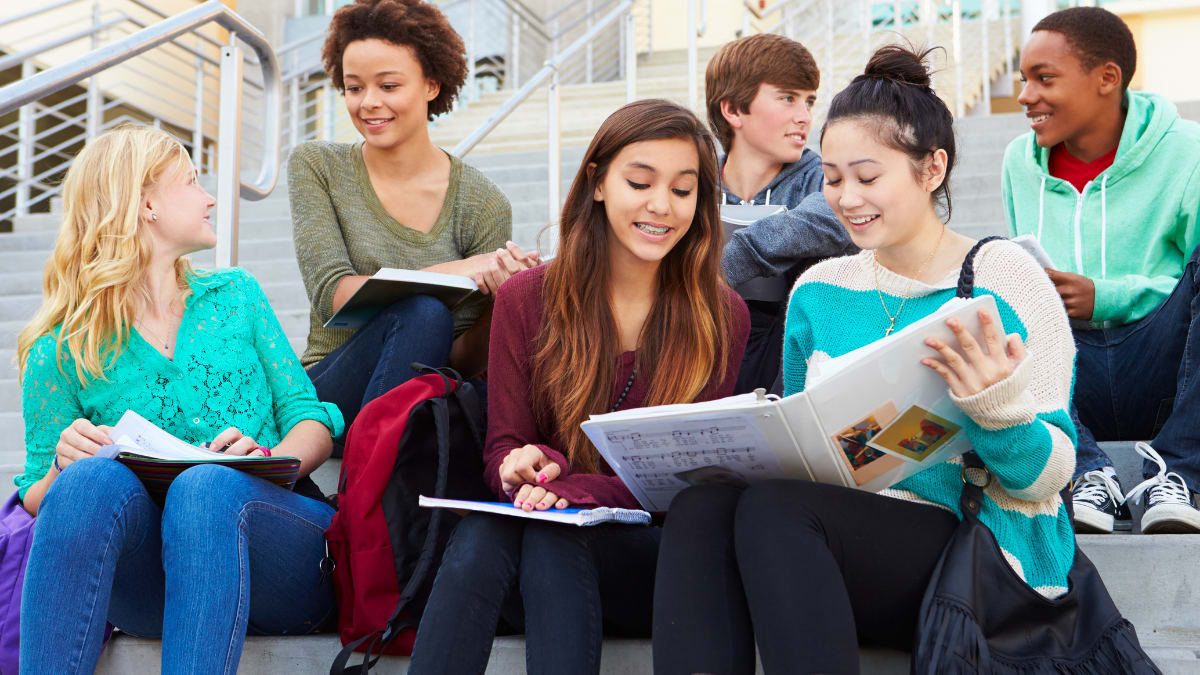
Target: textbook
157, 457
733, 218
390, 285
867, 419
581, 517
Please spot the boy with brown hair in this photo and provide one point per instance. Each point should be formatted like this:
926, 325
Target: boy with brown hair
760, 91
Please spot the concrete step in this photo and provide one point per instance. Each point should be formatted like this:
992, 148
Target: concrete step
315, 653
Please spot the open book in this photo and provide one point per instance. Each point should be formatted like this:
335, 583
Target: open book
581, 517
389, 285
157, 457
867, 419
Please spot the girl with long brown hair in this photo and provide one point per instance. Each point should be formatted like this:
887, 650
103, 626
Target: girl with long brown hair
634, 311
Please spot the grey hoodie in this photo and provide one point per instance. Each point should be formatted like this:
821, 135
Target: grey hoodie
807, 231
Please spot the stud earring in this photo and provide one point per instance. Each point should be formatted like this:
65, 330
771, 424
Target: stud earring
154, 217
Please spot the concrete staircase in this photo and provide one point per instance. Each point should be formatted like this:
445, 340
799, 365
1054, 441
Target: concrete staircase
1152, 578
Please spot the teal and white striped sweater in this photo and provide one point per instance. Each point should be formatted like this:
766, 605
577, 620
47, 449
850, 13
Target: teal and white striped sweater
1020, 426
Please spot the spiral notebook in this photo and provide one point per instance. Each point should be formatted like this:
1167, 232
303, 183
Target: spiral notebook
581, 517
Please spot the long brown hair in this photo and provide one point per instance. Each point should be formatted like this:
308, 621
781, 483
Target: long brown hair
686, 335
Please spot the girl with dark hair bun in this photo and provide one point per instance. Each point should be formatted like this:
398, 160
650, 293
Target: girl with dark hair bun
634, 311
806, 570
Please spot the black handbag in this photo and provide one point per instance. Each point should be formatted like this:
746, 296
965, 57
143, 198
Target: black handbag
979, 616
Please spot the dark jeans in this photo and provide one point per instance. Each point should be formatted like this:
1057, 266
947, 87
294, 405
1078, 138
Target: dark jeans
805, 569
1132, 383
379, 356
576, 585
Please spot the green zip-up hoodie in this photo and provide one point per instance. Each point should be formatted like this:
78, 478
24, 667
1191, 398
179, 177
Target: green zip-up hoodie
1133, 228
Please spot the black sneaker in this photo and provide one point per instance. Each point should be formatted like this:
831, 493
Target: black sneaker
1096, 497
1170, 507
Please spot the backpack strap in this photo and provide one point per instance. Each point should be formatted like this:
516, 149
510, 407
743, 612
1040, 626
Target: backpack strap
966, 277
380, 639
972, 494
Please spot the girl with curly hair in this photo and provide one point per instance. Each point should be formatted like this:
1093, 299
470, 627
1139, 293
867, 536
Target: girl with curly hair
394, 199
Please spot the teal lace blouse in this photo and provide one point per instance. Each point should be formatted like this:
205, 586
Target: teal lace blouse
233, 367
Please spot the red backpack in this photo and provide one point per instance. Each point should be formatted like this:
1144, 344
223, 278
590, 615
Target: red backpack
423, 437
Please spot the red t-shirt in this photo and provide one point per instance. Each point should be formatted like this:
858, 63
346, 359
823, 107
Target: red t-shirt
1064, 165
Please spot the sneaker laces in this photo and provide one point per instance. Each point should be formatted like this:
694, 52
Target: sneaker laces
1095, 487
1164, 488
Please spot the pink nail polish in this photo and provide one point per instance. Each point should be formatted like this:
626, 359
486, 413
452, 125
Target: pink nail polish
541, 478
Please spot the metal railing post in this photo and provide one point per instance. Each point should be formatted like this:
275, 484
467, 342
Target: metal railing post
229, 142
927, 8
630, 58
956, 28
588, 54
985, 67
515, 62
691, 54
95, 97
865, 18
829, 51
198, 113
472, 89
294, 103
554, 158
25, 131
327, 111
1008, 45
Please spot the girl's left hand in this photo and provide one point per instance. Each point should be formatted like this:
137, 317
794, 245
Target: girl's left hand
977, 367
530, 497
234, 442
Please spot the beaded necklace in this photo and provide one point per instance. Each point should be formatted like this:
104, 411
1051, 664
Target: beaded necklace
625, 392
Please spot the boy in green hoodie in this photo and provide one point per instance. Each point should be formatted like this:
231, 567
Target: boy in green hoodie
1109, 183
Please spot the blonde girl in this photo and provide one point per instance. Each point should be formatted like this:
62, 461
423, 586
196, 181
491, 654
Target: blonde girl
127, 324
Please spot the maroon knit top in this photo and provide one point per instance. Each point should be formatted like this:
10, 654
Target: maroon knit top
512, 423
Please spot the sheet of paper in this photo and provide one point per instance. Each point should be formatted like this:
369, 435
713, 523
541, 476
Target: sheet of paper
1034, 248
144, 437
660, 457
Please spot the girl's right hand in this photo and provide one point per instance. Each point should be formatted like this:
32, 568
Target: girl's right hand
80, 439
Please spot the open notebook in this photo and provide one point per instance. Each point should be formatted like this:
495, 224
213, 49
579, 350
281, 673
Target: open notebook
157, 457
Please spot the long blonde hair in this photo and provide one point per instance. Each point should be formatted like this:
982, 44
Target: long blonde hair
94, 280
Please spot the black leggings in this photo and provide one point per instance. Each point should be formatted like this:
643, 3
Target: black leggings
805, 569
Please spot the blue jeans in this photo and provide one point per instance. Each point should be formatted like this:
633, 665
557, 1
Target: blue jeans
1133, 382
576, 584
379, 356
227, 554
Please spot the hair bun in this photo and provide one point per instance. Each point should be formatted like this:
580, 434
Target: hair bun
899, 64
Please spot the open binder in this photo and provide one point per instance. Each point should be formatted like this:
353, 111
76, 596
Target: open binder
867, 419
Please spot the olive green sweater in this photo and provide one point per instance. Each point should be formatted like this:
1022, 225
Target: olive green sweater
341, 229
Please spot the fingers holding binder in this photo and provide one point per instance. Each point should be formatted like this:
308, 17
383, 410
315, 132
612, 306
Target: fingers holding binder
974, 367
531, 497
80, 439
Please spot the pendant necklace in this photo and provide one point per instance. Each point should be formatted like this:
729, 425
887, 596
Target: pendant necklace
875, 268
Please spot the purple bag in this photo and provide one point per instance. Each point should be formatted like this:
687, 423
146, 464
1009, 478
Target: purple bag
16, 536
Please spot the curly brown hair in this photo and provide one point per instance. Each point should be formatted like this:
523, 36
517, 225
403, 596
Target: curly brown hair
412, 23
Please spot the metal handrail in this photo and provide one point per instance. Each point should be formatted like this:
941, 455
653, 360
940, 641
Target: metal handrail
60, 77
547, 71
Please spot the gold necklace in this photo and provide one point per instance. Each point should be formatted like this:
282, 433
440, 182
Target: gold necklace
904, 298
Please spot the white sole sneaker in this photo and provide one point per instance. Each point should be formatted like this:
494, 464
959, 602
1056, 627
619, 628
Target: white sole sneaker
1092, 521
1171, 519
